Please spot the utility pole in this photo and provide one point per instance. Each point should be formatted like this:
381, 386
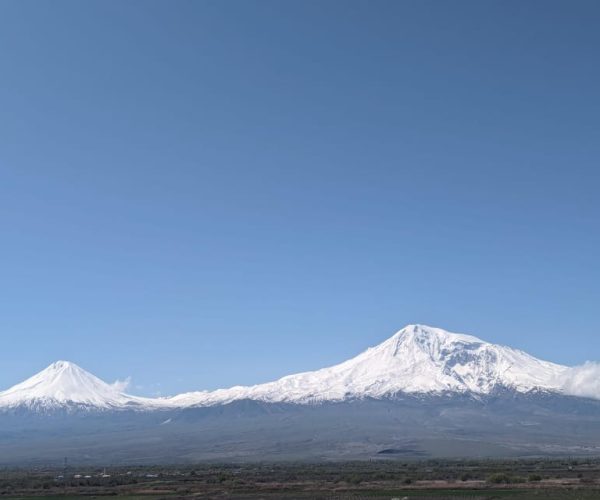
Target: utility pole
65, 475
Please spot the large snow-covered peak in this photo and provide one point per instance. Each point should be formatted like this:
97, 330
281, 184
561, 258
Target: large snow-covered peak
427, 341
454, 361
428, 335
418, 359
65, 385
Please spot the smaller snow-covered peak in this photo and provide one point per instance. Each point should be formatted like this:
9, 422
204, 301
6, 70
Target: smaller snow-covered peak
64, 384
63, 365
63, 371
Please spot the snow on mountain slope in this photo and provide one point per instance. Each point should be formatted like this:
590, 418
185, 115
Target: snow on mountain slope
66, 385
417, 359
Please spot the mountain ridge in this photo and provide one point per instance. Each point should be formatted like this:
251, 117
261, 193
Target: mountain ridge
418, 359
424, 391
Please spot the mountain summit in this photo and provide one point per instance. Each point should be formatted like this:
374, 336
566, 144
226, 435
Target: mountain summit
418, 359
65, 385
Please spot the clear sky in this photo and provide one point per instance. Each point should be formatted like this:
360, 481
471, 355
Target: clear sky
208, 193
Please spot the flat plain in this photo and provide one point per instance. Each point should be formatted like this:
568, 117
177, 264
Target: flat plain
548, 479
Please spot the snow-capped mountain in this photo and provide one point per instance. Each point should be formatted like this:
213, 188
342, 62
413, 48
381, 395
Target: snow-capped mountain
66, 385
417, 360
358, 409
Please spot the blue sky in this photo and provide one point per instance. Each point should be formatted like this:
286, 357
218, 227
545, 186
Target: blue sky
201, 194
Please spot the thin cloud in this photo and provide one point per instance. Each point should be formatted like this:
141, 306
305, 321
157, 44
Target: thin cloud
582, 380
121, 385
